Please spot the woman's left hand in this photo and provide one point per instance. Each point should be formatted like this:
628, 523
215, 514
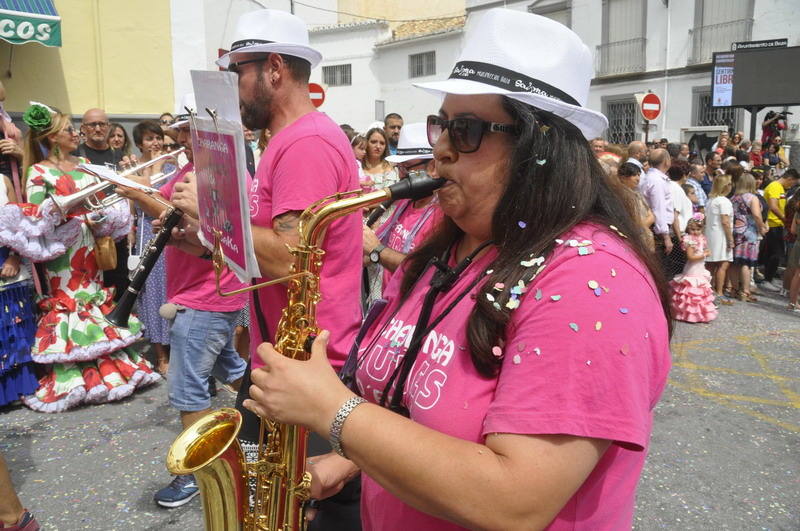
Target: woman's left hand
308, 393
10, 267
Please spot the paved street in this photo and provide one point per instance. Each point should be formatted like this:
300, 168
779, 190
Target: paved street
725, 451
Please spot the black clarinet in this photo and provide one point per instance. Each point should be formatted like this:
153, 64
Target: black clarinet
121, 313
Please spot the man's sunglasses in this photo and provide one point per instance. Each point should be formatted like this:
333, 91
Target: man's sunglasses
236, 67
465, 133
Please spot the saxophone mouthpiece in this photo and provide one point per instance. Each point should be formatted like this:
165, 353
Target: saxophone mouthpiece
415, 187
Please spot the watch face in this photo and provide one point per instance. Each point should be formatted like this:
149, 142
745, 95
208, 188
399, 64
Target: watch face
374, 257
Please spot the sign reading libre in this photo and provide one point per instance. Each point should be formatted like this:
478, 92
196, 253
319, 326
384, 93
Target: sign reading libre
19, 28
651, 106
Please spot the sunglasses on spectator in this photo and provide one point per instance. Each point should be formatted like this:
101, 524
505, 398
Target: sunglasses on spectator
236, 67
167, 121
403, 170
69, 130
92, 125
465, 133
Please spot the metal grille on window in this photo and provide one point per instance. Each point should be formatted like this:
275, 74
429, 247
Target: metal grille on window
622, 117
623, 48
708, 115
718, 23
422, 64
337, 75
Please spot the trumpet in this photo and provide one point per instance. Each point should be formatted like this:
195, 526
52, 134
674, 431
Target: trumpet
91, 197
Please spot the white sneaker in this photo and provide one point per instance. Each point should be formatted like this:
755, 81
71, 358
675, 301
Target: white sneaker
784, 292
769, 286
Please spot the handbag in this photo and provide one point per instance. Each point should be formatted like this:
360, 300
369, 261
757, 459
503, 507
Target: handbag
105, 253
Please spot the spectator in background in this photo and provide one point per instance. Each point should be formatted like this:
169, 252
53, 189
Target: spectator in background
748, 228
719, 233
654, 186
723, 134
695, 180
598, 146
770, 158
722, 143
674, 150
684, 152
783, 161
349, 131
637, 153
683, 208
118, 139
775, 194
379, 171
756, 157
10, 147
629, 175
772, 126
713, 162
391, 126
736, 141
170, 140
166, 120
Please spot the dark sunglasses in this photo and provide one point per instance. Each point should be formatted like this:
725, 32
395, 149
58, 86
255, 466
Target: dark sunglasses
465, 133
236, 67
167, 121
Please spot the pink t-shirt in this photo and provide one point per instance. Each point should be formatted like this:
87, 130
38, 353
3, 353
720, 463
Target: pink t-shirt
309, 160
190, 279
577, 360
409, 230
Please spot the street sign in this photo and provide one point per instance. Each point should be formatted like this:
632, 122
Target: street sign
758, 45
650, 106
317, 94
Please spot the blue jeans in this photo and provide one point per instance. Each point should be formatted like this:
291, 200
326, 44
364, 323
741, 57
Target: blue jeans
201, 345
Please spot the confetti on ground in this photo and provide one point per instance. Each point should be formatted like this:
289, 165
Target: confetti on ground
497, 351
517, 359
574, 326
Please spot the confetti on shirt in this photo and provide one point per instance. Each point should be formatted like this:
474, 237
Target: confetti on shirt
497, 351
538, 295
555, 298
598, 325
593, 284
517, 359
574, 326
623, 310
522, 224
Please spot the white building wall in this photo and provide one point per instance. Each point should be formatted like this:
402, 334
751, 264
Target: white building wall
354, 104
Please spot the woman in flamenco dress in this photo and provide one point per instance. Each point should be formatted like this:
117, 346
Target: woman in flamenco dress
84, 358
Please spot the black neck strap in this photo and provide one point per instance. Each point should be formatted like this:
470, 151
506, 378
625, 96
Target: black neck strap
441, 282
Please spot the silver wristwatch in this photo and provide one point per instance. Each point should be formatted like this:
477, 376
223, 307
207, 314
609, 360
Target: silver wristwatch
338, 422
375, 254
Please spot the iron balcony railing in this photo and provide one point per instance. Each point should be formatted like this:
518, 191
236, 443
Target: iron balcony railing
621, 57
717, 38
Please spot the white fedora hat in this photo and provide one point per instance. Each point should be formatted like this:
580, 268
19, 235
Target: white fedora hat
529, 58
271, 31
187, 105
412, 144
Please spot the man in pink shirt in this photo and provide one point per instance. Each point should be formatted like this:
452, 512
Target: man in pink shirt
201, 331
308, 158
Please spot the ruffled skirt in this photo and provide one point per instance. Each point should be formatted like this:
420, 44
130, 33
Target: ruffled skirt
17, 328
692, 298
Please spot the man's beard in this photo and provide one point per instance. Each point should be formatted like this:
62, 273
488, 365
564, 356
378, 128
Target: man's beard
255, 114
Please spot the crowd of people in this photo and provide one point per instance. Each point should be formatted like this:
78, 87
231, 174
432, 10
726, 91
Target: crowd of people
730, 210
443, 328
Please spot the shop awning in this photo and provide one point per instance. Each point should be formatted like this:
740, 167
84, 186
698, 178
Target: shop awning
24, 21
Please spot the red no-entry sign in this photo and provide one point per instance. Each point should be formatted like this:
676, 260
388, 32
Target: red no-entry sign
651, 106
317, 94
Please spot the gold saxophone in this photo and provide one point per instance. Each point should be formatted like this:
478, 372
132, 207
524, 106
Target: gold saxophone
209, 448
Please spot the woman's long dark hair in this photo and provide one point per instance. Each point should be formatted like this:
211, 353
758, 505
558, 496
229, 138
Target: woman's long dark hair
551, 198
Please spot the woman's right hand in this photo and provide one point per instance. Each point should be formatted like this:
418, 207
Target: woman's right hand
10, 267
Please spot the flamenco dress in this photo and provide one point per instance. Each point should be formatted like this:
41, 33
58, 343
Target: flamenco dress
692, 298
85, 359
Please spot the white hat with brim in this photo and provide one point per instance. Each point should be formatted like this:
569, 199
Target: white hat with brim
528, 58
412, 144
187, 105
271, 31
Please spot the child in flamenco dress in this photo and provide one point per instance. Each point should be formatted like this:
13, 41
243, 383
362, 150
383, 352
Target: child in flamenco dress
83, 358
692, 296
17, 322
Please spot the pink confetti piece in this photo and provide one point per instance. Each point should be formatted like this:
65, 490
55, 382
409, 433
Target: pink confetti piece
624, 349
497, 351
499, 286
